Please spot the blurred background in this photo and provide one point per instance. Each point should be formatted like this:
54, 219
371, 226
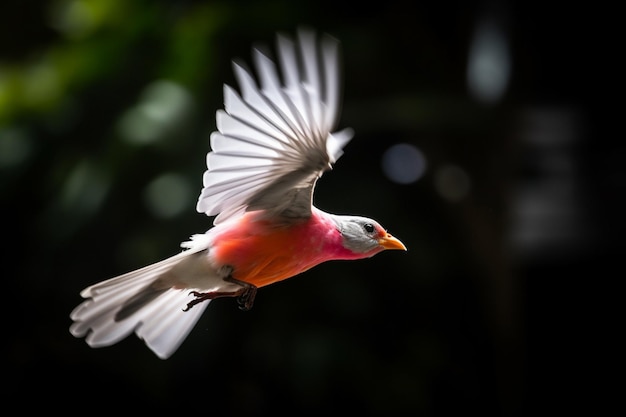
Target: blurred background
481, 142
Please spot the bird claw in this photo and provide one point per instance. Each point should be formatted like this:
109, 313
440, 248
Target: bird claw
245, 296
200, 297
246, 299
203, 296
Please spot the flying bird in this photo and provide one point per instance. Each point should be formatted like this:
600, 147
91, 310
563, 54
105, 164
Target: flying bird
274, 139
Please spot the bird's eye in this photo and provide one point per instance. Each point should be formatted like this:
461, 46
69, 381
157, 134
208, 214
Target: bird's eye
369, 227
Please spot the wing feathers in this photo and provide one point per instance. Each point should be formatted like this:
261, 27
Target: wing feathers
253, 97
274, 138
244, 112
330, 62
312, 87
292, 95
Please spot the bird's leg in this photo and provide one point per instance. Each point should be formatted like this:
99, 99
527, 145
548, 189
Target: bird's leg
245, 298
203, 296
245, 295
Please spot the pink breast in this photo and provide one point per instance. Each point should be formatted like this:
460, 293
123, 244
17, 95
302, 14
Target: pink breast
262, 252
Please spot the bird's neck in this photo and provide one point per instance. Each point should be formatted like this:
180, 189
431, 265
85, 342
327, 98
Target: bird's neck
325, 227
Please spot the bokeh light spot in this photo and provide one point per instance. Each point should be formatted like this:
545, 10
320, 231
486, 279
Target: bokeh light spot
163, 106
452, 182
403, 163
489, 63
85, 188
15, 147
168, 195
42, 84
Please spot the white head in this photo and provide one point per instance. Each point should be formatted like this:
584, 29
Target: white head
365, 236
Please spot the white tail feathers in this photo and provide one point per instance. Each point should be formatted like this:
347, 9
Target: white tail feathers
131, 303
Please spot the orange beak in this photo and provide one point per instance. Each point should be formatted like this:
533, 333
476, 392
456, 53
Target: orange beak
390, 242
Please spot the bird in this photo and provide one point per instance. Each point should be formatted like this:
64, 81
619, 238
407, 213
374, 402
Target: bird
275, 137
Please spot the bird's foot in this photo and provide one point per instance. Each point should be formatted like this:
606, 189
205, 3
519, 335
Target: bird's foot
245, 297
203, 296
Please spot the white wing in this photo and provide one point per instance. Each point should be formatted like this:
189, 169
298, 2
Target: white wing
274, 141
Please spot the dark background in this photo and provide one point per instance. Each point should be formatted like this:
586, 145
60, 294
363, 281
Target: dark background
492, 311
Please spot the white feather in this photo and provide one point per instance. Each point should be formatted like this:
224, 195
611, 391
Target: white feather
290, 98
161, 322
276, 128
253, 97
330, 62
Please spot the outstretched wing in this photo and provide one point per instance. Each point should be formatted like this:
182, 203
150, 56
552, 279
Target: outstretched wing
274, 141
